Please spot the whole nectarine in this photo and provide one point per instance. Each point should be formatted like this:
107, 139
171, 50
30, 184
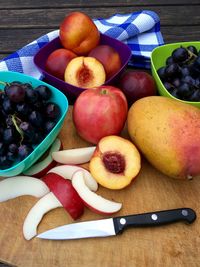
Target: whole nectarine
99, 112
136, 85
79, 33
57, 62
109, 57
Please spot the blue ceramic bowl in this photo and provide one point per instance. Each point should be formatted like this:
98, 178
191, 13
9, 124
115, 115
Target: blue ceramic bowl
58, 98
69, 90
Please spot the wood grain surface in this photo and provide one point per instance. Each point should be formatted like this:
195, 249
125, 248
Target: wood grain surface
172, 245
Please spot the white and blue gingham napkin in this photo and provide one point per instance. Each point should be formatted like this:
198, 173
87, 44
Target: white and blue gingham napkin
139, 30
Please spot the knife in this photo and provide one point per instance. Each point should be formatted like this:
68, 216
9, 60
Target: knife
116, 225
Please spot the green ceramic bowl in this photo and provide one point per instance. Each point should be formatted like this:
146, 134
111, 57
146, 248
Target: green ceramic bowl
158, 58
57, 97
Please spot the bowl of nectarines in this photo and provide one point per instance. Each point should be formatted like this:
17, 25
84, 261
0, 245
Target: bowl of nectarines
77, 60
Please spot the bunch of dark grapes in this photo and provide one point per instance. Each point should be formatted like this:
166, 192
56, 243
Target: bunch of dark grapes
26, 116
181, 74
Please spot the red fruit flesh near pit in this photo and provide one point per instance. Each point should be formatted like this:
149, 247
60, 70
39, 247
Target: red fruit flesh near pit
65, 193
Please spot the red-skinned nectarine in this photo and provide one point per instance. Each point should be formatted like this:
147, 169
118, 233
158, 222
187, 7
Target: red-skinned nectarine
57, 62
99, 112
79, 33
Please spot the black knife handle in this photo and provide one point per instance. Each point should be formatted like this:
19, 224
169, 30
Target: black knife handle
154, 218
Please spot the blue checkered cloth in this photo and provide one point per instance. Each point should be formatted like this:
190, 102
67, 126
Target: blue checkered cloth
139, 30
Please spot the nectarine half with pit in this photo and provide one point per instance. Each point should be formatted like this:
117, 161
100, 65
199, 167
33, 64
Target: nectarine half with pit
115, 162
109, 57
57, 61
78, 33
85, 72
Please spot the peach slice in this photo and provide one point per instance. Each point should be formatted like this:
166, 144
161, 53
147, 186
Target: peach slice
16, 186
85, 72
115, 162
36, 213
93, 201
67, 171
74, 155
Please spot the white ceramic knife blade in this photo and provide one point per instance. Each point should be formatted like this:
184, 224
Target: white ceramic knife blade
114, 226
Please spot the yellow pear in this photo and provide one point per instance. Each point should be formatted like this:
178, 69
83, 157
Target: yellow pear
167, 132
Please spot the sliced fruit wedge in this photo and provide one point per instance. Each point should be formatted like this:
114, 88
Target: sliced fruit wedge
35, 215
65, 193
22, 185
74, 156
93, 201
41, 167
67, 171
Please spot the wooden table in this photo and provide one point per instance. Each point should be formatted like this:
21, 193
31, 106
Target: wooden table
177, 245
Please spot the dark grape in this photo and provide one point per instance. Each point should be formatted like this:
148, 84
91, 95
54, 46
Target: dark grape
37, 138
11, 156
161, 73
15, 93
195, 96
23, 109
172, 70
185, 70
10, 135
2, 148
31, 95
176, 82
13, 148
185, 90
39, 105
174, 92
169, 60
4, 162
24, 151
49, 125
27, 129
180, 55
7, 106
197, 82
192, 49
36, 119
188, 79
9, 122
52, 111
168, 86
44, 92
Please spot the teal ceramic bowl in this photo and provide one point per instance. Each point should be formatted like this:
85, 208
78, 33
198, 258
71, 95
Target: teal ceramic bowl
57, 97
158, 59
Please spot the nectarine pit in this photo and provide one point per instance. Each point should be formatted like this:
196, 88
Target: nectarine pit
84, 75
114, 161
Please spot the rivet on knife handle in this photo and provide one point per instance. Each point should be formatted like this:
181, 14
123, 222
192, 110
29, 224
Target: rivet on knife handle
154, 218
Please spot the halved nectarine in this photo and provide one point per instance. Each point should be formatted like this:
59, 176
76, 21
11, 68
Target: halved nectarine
85, 72
115, 162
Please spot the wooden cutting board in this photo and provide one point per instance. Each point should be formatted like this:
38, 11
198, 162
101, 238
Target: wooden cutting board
173, 245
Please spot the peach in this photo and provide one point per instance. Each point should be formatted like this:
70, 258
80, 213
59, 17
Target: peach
79, 33
109, 57
85, 72
115, 162
57, 62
